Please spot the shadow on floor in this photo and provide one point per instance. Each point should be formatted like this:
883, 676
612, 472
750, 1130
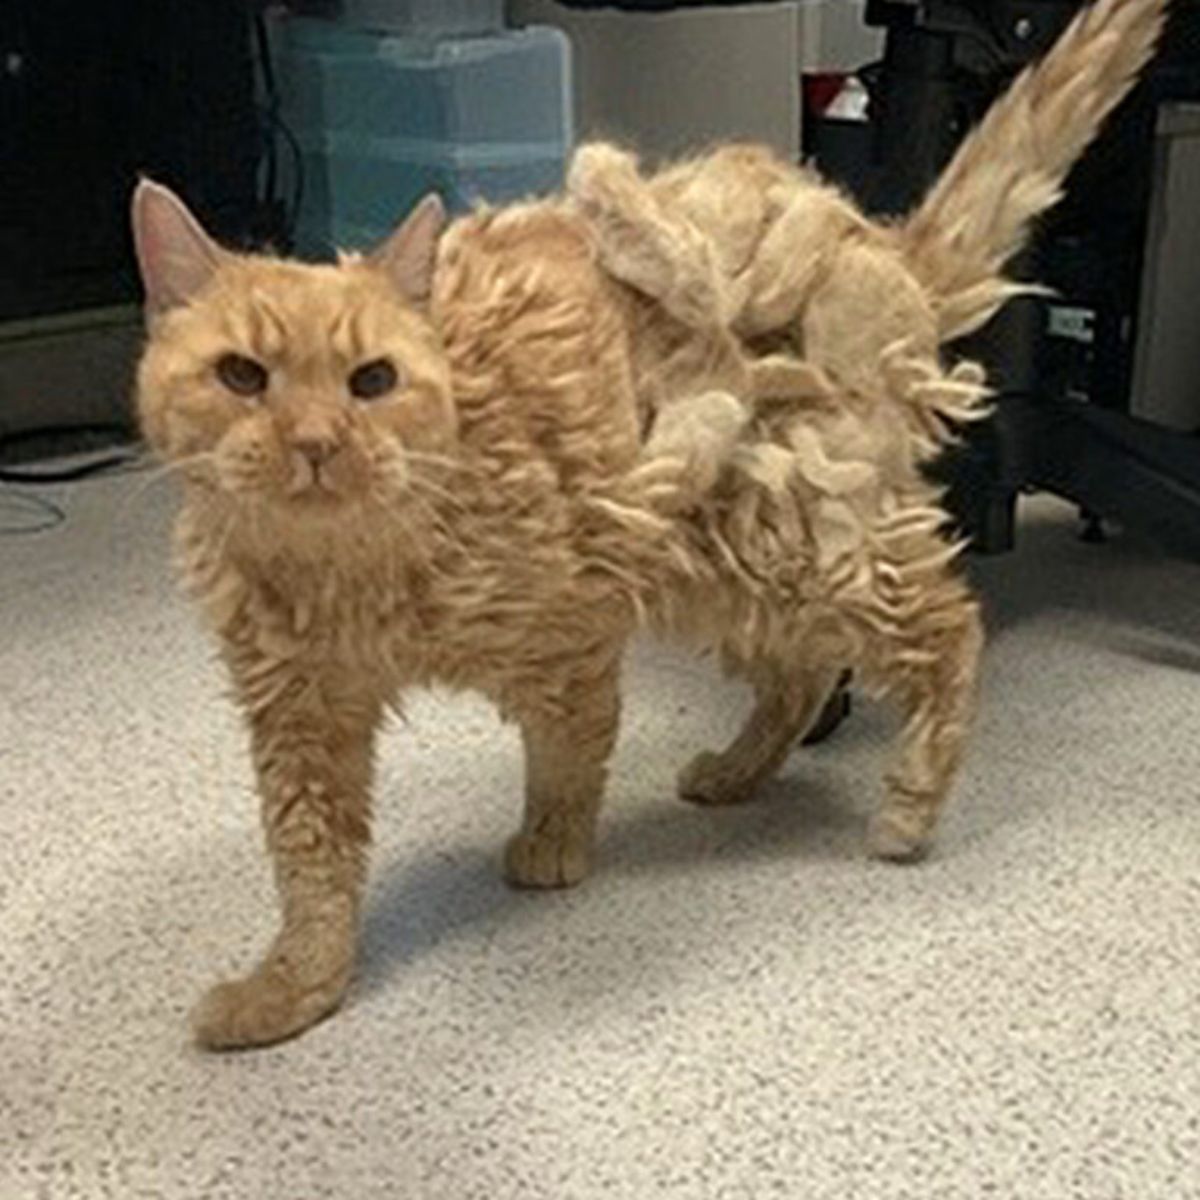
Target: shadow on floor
1126, 581
416, 908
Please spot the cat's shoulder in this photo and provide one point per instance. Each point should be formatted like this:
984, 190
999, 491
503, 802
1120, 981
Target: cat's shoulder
518, 268
537, 232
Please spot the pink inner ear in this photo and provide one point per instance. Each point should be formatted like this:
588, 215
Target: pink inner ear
175, 255
407, 256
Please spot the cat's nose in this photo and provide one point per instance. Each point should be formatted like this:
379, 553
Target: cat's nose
318, 448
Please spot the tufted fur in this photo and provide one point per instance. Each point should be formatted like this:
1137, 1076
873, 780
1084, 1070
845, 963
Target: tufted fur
561, 462
737, 239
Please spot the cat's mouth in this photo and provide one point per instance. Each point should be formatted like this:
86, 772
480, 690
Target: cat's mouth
304, 479
308, 479
337, 474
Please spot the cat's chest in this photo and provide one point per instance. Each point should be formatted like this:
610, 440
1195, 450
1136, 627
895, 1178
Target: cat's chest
486, 595
496, 579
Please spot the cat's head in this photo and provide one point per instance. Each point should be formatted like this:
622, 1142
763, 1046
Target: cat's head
306, 388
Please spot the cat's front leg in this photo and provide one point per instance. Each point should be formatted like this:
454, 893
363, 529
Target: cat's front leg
312, 730
568, 727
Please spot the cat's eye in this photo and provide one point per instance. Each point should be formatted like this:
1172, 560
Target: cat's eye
374, 379
242, 375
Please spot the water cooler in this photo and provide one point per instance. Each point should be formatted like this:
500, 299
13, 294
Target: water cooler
390, 99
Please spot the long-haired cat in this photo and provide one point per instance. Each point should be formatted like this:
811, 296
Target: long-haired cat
383, 490
739, 239
482, 462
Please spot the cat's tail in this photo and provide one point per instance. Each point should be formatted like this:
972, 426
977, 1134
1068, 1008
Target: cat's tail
1012, 168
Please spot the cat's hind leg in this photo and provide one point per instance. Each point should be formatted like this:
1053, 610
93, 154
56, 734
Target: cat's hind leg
568, 727
930, 664
788, 703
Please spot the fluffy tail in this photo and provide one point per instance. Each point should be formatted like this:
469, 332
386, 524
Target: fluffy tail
1013, 166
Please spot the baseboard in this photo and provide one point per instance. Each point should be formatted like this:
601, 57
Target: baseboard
69, 369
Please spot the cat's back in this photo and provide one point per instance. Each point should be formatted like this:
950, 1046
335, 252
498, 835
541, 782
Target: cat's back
536, 337
533, 264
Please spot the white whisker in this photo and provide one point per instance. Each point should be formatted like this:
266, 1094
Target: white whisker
441, 525
436, 491
157, 474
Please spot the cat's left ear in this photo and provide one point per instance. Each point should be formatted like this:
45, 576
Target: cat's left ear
407, 256
177, 258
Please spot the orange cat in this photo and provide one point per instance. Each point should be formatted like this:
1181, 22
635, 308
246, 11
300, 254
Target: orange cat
487, 476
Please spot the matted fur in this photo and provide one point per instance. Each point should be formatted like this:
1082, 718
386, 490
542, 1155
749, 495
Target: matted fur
562, 462
563, 459
740, 240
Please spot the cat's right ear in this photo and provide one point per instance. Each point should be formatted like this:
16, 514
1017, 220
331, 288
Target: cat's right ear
176, 257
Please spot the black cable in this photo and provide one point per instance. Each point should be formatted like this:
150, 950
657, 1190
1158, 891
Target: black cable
277, 126
94, 466
263, 41
51, 515
297, 177
266, 69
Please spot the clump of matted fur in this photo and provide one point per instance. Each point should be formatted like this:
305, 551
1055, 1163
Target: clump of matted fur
740, 240
488, 478
821, 546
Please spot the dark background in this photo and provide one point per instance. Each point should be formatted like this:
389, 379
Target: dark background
94, 92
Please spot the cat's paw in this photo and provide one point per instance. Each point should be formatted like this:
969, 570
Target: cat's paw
892, 838
713, 780
263, 1008
547, 860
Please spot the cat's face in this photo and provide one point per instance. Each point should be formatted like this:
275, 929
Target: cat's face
311, 389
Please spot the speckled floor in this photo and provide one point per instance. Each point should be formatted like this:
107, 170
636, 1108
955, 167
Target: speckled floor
738, 1005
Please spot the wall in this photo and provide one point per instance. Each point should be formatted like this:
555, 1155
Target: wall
675, 81
833, 36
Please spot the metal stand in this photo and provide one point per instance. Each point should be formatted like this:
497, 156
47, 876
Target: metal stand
945, 61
